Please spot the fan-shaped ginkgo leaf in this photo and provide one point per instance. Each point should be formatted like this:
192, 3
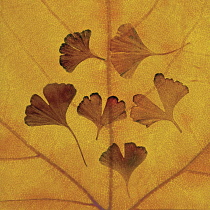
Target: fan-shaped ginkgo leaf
75, 50
128, 50
59, 96
91, 108
170, 92
114, 159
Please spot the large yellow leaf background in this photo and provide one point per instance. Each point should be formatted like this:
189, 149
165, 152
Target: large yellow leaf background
175, 174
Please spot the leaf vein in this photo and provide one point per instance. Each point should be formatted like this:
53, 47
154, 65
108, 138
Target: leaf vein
24, 49
55, 15
21, 158
49, 199
147, 195
57, 167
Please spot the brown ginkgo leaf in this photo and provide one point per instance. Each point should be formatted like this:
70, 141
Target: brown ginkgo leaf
59, 96
128, 50
75, 50
91, 108
114, 159
170, 92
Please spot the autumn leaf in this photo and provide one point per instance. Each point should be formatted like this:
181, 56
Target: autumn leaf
91, 108
170, 92
128, 50
75, 50
40, 166
59, 96
114, 159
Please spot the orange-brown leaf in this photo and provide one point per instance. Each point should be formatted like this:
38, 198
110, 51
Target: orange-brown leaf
75, 50
128, 50
91, 108
114, 159
59, 96
113, 111
170, 92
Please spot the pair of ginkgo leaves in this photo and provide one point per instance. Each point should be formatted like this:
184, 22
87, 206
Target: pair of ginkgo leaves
127, 46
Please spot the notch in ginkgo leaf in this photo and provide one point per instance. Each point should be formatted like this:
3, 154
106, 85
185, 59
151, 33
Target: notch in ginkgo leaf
75, 50
128, 50
59, 97
170, 92
91, 108
113, 158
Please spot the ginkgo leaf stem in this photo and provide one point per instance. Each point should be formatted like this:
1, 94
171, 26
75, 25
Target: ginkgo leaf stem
127, 189
21, 158
77, 144
98, 131
166, 53
175, 123
198, 172
95, 56
201, 54
54, 165
49, 199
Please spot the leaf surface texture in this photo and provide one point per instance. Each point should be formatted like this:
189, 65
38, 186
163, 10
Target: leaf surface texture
32, 32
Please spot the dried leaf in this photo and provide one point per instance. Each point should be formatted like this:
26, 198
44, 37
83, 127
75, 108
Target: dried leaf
170, 92
59, 96
128, 50
75, 50
114, 159
91, 108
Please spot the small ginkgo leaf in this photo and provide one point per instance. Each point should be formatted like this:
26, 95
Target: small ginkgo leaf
114, 159
128, 50
75, 50
59, 96
91, 108
170, 92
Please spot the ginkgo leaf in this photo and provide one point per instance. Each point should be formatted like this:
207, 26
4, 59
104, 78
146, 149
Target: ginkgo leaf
128, 50
75, 50
91, 108
59, 96
114, 159
170, 92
